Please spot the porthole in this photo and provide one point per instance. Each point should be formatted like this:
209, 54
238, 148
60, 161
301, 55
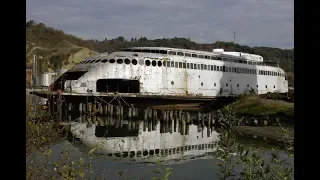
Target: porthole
135, 62
237, 85
214, 84
147, 62
127, 61
112, 61
159, 63
119, 61
154, 63
172, 83
104, 61
201, 83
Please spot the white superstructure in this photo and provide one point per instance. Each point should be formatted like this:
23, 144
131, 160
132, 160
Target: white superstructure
176, 72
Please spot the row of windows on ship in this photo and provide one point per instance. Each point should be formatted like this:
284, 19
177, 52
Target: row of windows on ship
194, 55
188, 66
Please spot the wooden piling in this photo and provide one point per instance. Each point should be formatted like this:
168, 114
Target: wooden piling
121, 113
111, 111
89, 108
129, 113
133, 124
129, 125
80, 107
146, 114
133, 112
84, 107
100, 108
188, 118
69, 107
105, 111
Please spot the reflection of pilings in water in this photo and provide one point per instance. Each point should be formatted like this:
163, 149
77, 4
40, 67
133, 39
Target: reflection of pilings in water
150, 114
167, 127
140, 126
149, 125
172, 121
187, 129
209, 125
154, 119
184, 123
175, 115
149, 120
202, 131
188, 118
199, 120
183, 127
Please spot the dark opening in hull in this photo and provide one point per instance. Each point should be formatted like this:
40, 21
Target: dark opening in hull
118, 85
59, 83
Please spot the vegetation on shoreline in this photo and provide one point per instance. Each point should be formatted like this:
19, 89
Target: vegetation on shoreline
250, 164
253, 105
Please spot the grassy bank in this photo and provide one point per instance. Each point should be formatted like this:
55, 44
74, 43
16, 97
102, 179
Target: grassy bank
253, 105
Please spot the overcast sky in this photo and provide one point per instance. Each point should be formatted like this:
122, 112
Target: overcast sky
256, 22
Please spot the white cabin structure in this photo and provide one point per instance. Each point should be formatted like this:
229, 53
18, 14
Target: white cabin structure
174, 72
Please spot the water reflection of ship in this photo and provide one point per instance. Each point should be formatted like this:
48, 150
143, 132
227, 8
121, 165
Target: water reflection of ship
148, 141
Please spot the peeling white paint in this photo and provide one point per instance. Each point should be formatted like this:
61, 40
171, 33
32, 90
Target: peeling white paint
155, 80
